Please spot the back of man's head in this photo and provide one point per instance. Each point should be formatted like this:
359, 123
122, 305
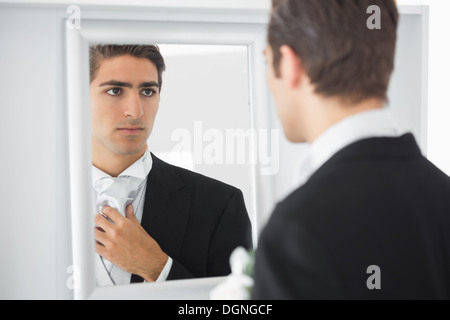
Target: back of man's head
346, 47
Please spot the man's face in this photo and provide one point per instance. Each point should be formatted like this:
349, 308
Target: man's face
124, 102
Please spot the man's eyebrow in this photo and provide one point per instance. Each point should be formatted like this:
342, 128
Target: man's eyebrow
116, 83
149, 84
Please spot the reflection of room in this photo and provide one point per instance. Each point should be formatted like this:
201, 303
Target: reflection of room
205, 88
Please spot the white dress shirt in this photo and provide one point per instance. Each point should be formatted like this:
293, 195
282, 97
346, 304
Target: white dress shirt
106, 273
363, 125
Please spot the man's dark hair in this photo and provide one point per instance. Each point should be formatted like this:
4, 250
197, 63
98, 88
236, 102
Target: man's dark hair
341, 55
104, 51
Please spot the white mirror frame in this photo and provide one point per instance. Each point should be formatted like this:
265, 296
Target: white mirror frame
196, 26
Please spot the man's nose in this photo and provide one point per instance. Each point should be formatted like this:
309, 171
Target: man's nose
133, 107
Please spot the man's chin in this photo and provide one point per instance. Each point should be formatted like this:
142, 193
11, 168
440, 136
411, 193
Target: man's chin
131, 150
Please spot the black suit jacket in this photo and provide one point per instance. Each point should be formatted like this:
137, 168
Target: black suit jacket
196, 220
376, 202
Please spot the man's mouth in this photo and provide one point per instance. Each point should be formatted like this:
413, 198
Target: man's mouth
130, 130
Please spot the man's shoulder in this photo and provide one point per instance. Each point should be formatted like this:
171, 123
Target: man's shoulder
195, 179
371, 169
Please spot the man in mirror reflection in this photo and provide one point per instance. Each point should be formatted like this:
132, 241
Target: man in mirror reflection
155, 221
370, 218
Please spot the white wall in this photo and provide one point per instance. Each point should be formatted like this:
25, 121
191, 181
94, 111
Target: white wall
439, 70
34, 228
205, 94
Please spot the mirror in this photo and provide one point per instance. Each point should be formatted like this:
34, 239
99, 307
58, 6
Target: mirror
171, 136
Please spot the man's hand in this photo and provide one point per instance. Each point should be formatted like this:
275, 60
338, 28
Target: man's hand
127, 245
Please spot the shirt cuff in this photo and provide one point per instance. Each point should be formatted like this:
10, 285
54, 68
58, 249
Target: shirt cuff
165, 271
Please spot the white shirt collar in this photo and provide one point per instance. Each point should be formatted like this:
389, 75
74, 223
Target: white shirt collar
363, 125
140, 168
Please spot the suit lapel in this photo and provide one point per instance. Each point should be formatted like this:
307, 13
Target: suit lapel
166, 207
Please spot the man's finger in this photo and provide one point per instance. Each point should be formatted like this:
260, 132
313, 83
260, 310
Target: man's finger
111, 214
101, 236
102, 221
100, 248
130, 214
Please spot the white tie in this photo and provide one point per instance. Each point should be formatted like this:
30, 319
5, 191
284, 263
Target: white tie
116, 193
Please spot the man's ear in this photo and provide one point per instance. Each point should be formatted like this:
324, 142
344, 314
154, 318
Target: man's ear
290, 67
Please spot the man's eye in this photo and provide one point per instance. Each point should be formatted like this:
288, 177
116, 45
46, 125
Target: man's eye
114, 92
148, 92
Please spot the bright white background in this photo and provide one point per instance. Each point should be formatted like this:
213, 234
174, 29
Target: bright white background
439, 84
206, 85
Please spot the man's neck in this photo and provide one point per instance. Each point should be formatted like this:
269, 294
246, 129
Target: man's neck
115, 164
329, 114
